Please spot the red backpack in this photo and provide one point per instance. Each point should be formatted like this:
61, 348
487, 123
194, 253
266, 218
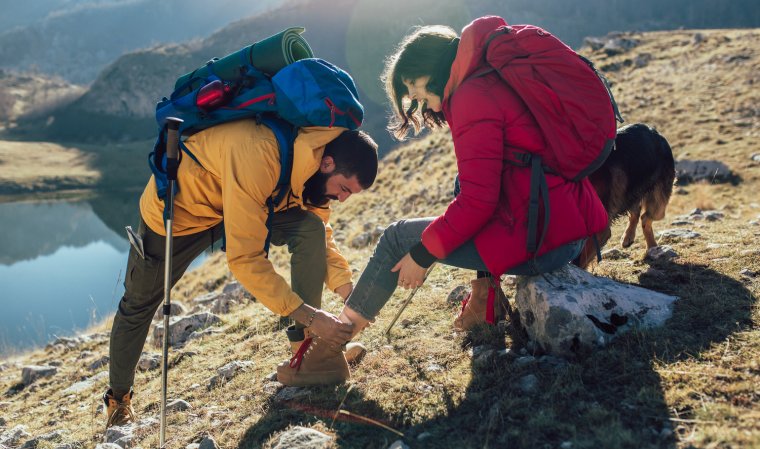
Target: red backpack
571, 102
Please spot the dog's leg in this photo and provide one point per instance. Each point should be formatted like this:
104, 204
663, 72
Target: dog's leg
646, 229
633, 222
655, 204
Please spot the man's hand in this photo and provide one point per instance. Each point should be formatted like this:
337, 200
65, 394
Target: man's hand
330, 329
345, 291
324, 325
410, 275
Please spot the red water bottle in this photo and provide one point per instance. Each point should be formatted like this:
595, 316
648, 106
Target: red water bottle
213, 95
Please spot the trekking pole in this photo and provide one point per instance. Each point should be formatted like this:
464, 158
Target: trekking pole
406, 302
172, 164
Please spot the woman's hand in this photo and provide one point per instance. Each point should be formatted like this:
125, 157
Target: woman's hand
344, 291
330, 329
410, 275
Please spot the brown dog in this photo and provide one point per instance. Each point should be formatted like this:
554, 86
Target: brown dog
636, 179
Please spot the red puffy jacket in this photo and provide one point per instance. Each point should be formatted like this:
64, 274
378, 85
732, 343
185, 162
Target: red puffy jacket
488, 119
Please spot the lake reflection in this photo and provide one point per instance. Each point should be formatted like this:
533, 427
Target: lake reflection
61, 266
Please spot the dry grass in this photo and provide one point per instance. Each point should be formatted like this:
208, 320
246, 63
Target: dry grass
692, 384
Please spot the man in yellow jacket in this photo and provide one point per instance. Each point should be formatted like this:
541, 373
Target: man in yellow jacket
237, 169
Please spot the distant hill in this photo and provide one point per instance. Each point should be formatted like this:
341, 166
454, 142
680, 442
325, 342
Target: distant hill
76, 39
356, 35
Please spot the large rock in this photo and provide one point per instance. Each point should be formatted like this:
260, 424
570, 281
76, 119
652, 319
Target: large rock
713, 171
570, 312
301, 438
88, 383
33, 372
11, 437
181, 327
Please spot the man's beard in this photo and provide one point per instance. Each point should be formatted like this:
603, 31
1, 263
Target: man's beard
314, 191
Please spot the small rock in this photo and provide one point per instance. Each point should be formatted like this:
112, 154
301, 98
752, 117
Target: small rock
148, 361
755, 157
398, 444
180, 328
99, 363
271, 376
613, 254
291, 394
50, 436
178, 405
713, 215
301, 437
676, 234
85, 355
175, 309
483, 358
682, 223
116, 433
65, 446
424, 436
664, 252
206, 298
108, 446
208, 443
227, 372
750, 252
528, 384
33, 372
272, 387
433, 368
748, 273
566, 445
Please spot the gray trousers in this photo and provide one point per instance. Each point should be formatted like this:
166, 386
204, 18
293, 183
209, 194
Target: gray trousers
377, 283
303, 232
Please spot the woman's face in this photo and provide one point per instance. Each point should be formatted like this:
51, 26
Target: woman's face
418, 91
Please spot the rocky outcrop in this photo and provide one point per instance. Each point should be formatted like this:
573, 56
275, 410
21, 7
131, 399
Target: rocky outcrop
570, 312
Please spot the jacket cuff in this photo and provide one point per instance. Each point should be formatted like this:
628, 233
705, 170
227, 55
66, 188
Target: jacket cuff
421, 255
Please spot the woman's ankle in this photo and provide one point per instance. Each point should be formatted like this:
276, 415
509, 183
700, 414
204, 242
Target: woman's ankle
349, 315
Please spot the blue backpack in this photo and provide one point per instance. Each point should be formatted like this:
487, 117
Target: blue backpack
307, 92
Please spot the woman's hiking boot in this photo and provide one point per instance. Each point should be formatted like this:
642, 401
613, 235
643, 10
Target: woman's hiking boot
119, 411
314, 363
486, 304
354, 351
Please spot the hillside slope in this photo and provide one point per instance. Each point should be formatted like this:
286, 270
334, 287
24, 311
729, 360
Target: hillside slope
354, 34
691, 384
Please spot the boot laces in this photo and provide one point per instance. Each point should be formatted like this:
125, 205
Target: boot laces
123, 412
295, 361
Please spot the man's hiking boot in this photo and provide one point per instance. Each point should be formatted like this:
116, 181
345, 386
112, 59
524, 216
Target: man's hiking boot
354, 351
314, 363
119, 411
486, 304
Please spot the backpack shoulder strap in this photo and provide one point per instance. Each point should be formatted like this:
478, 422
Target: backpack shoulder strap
285, 133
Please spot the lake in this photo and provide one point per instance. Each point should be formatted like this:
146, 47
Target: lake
62, 266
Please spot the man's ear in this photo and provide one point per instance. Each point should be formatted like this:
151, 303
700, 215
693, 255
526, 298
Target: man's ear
327, 165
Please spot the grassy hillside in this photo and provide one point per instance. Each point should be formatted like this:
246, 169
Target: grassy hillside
692, 384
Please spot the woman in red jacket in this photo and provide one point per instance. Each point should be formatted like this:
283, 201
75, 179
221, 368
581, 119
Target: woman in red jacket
436, 79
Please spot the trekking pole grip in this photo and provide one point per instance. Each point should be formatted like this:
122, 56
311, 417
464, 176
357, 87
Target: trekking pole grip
172, 146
